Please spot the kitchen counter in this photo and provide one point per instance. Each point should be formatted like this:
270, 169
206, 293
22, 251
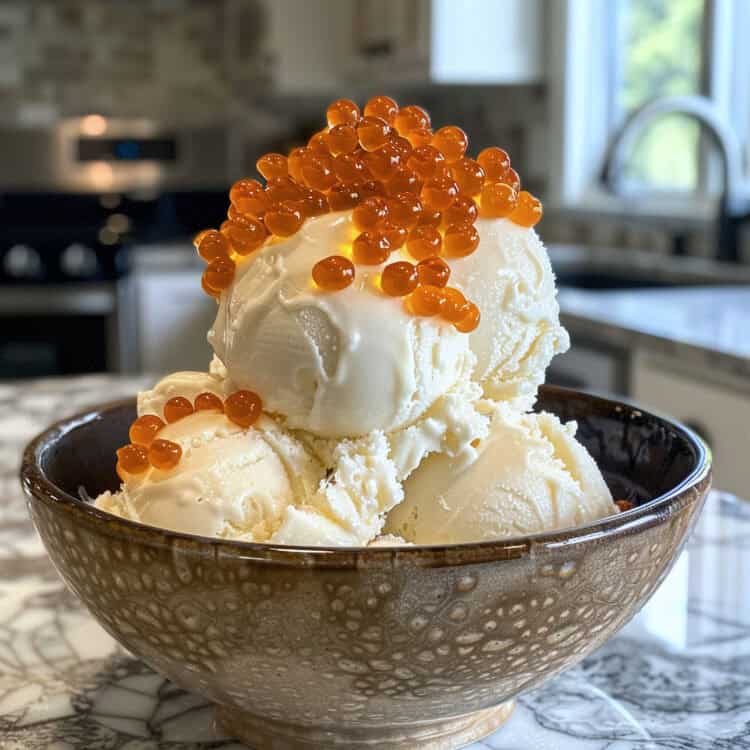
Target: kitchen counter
675, 677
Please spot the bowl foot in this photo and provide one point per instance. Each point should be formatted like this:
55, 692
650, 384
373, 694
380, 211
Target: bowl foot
446, 734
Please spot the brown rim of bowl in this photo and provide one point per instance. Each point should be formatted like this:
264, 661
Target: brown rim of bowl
36, 484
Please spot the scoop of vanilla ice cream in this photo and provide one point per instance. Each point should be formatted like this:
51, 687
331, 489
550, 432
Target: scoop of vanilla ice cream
530, 475
335, 364
511, 280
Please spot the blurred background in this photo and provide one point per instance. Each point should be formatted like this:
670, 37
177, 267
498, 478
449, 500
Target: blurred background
124, 123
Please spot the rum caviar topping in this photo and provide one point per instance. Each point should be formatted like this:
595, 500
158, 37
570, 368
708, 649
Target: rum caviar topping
384, 162
528, 210
399, 279
424, 242
144, 429
132, 459
439, 193
343, 196
425, 300
198, 237
247, 197
470, 321
404, 210
243, 408
313, 203
498, 200
283, 189
283, 219
463, 209
294, 163
342, 139
350, 167
410, 118
430, 218
433, 271
212, 245
460, 240
272, 165
455, 307
469, 176
318, 171
452, 143
495, 162
420, 137
510, 177
370, 213
318, 144
215, 293
371, 189
219, 274
176, 408
403, 181
424, 161
373, 133
246, 235
401, 145
371, 248
333, 273
207, 401
383, 107
342, 112
164, 454
395, 233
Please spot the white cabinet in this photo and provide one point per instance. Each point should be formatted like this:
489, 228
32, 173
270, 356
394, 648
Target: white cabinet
715, 407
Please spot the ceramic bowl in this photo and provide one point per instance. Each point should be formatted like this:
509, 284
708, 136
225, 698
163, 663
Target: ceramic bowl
412, 647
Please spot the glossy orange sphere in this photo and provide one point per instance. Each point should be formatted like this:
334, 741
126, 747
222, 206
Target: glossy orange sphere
420, 137
313, 203
272, 165
433, 271
384, 162
399, 279
460, 240
342, 139
333, 273
219, 274
144, 429
426, 300
176, 408
344, 196
243, 408
405, 209
403, 181
452, 142
371, 248
370, 213
498, 200
164, 454
470, 321
495, 162
212, 245
131, 459
438, 193
383, 107
318, 172
424, 242
342, 112
247, 235
410, 118
528, 210
455, 307
469, 176
373, 133
283, 219
207, 401
424, 160
463, 209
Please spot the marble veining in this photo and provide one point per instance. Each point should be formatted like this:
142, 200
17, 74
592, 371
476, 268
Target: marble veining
676, 678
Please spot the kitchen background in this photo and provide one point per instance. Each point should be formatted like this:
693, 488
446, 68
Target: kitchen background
122, 125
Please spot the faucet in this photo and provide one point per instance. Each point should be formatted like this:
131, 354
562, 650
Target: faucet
734, 203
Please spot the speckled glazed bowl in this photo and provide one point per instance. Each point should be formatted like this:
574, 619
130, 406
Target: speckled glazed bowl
412, 647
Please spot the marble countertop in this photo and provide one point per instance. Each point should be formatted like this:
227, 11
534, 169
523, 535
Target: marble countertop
676, 678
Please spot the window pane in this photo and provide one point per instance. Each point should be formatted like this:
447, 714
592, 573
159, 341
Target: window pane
662, 57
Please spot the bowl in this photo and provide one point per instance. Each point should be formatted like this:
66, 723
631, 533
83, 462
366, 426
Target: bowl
410, 647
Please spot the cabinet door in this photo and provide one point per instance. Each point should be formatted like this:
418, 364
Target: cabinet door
719, 412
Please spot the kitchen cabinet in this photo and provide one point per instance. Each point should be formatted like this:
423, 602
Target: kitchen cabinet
716, 406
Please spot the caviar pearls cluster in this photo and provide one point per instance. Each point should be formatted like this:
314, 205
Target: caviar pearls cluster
385, 315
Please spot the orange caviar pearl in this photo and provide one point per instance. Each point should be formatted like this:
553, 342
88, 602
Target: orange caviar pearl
371, 248
430, 218
410, 118
243, 408
342, 139
495, 161
455, 307
426, 300
395, 233
452, 142
281, 189
528, 210
247, 235
424, 242
383, 107
294, 163
469, 175
371, 189
439, 193
207, 401
373, 133
198, 237
350, 167
215, 293
213, 244
510, 177
219, 274
318, 144
420, 137
384, 162
247, 197
433, 271
313, 203
460, 240
498, 200
164, 454
403, 181
318, 172
176, 408
342, 112
333, 273
272, 165
470, 321
370, 213
132, 459
343, 196
143, 430
463, 209
401, 145
399, 279
424, 161
283, 219
405, 210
